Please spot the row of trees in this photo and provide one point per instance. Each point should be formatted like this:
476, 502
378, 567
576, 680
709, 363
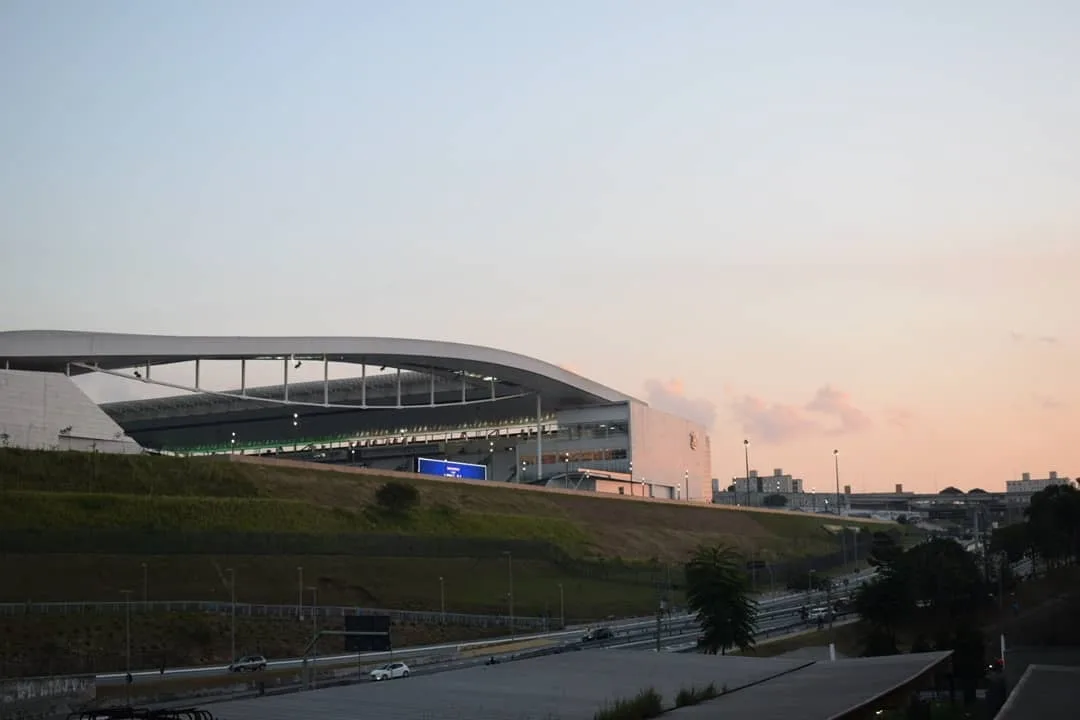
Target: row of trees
1051, 528
930, 594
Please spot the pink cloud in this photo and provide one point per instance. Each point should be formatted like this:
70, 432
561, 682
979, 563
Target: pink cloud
900, 417
670, 396
829, 412
837, 404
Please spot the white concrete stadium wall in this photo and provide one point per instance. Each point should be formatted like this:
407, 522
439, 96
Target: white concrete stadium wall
661, 451
35, 407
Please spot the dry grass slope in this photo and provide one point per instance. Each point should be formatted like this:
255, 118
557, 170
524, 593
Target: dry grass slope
95, 491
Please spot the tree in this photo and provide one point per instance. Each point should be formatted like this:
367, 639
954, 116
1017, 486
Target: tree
1012, 540
884, 549
397, 498
943, 579
717, 591
1053, 519
775, 500
932, 589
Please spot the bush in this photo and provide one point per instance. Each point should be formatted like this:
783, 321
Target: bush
646, 704
693, 695
397, 498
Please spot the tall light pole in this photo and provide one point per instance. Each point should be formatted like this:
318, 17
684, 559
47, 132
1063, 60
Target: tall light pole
300, 592
562, 608
442, 599
746, 456
510, 586
836, 465
232, 613
127, 644
314, 630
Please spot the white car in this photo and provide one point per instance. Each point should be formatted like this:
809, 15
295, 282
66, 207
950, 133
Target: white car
391, 671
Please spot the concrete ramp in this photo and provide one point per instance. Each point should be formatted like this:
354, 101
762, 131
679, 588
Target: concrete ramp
48, 411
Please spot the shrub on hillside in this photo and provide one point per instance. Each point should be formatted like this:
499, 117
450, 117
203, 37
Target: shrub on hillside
646, 704
397, 498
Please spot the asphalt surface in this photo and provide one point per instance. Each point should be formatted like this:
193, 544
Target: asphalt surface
775, 612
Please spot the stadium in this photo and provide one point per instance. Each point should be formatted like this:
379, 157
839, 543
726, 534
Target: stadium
409, 405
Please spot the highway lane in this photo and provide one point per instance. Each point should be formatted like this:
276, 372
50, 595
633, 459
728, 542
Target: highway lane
785, 603
448, 649
678, 636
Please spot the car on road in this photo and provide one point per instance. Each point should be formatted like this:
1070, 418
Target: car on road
248, 663
600, 633
390, 671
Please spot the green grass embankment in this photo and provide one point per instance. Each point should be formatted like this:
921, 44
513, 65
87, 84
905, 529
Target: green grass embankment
68, 490
94, 520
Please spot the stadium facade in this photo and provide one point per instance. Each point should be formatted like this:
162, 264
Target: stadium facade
523, 420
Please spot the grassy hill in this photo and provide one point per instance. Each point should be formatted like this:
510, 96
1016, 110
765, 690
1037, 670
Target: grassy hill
84, 527
157, 496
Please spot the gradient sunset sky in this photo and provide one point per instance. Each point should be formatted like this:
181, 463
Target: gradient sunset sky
817, 225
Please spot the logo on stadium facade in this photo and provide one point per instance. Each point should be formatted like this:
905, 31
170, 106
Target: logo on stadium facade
693, 441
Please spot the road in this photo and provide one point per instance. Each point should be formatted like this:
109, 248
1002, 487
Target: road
774, 612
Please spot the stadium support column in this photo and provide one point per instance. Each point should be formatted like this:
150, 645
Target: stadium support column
285, 365
363, 385
325, 381
539, 438
431, 389
243, 376
399, 387
197, 368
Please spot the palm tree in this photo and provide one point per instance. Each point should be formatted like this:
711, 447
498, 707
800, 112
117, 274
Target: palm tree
716, 589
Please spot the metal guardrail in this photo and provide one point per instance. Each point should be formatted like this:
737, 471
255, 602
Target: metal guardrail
271, 611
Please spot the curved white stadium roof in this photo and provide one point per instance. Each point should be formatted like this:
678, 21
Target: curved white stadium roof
54, 350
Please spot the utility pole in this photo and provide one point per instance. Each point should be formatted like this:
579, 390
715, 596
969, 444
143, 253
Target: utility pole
510, 584
127, 646
300, 592
314, 633
232, 613
659, 620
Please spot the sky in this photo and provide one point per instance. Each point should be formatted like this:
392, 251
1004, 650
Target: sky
814, 225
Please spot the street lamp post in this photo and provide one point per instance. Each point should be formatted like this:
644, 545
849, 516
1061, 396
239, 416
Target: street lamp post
510, 585
442, 599
836, 464
232, 613
127, 645
562, 608
746, 456
300, 592
314, 630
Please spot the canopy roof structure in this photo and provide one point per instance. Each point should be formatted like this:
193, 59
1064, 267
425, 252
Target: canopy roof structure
431, 373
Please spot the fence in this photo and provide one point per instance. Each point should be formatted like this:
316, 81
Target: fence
157, 542
267, 611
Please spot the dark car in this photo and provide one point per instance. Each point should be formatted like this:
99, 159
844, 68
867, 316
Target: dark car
601, 633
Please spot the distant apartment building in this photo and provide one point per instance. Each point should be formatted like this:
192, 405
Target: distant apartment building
779, 483
1027, 484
